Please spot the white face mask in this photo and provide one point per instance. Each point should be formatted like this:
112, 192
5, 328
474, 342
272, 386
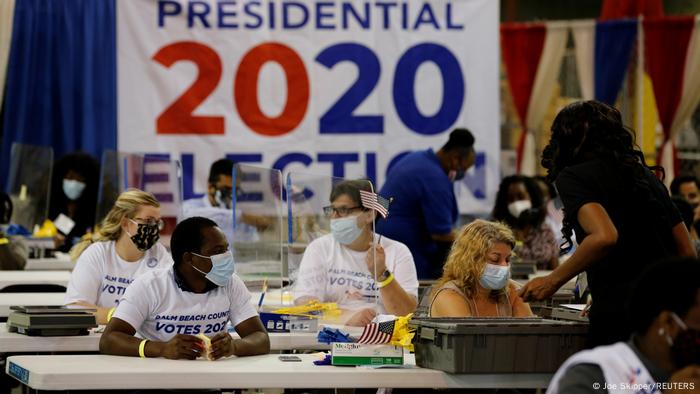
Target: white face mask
452, 175
516, 208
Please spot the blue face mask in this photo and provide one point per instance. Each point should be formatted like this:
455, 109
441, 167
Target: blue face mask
222, 268
345, 230
495, 277
73, 189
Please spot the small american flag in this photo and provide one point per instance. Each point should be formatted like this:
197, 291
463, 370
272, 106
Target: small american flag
375, 201
376, 333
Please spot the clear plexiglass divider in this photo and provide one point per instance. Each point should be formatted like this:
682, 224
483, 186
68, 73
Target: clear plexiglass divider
256, 230
162, 177
157, 174
29, 184
118, 172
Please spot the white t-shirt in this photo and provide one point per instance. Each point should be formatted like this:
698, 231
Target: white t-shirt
158, 309
334, 273
194, 203
100, 276
620, 365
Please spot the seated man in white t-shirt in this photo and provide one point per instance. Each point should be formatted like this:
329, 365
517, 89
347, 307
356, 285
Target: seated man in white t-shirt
340, 267
199, 295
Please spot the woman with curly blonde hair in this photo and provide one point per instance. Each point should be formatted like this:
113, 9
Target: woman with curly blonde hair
476, 278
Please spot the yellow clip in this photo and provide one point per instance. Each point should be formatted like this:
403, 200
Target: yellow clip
312, 306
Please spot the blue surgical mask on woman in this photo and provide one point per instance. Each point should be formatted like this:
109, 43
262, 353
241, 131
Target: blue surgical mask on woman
495, 277
73, 189
222, 268
345, 230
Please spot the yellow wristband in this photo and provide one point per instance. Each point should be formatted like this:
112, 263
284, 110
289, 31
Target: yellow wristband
110, 313
4, 241
386, 281
142, 348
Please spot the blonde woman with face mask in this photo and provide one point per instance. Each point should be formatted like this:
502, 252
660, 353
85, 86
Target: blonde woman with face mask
352, 265
476, 278
125, 247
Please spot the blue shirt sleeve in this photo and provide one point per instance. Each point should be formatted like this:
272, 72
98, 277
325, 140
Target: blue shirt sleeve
438, 205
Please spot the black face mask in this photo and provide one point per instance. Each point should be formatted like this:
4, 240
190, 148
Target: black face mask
146, 236
685, 349
223, 198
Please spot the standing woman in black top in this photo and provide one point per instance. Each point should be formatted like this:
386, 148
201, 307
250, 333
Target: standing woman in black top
620, 211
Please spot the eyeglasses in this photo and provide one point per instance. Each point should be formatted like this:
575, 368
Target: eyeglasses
341, 211
150, 222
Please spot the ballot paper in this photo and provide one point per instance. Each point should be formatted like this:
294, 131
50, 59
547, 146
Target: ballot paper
206, 352
577, 307
64, 224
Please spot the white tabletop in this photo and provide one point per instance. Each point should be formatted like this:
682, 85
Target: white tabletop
91, 372
32, 299
8, 278
12, 342
61, 262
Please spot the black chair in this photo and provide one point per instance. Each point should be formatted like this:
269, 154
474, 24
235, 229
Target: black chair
32, 288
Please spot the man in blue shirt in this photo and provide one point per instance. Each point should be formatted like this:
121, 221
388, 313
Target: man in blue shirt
424, 210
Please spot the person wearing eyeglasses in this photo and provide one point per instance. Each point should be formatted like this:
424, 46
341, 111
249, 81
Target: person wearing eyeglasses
171, 309
125, 246
345, 266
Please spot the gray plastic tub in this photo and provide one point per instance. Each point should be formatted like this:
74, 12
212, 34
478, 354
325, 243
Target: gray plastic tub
496, 345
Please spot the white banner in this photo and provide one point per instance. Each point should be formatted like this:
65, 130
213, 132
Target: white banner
327, 87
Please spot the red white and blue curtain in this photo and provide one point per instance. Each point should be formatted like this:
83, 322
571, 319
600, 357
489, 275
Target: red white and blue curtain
672, 57
532, 55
